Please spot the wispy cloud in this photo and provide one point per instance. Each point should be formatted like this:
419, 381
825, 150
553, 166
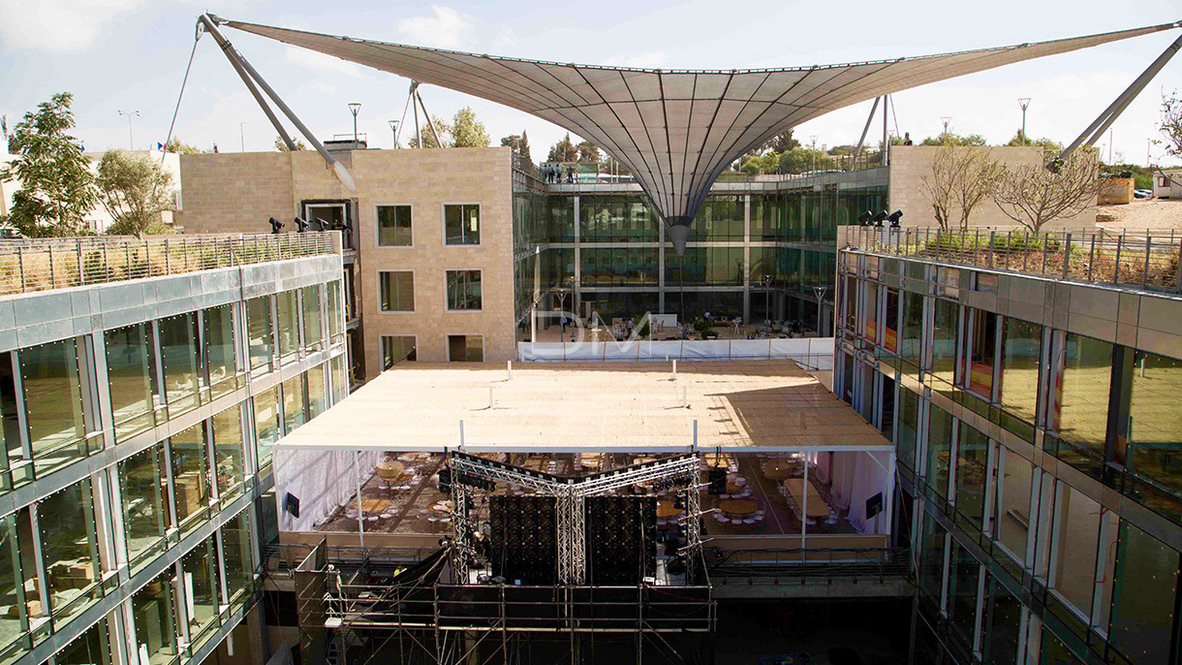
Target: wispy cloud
445, 28
325, 63
650, 60
57, 25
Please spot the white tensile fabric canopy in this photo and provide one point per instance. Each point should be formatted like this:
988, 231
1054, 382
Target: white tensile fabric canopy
676, 130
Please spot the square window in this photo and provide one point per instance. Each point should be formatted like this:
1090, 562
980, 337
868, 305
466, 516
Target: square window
397, 291
461, 224
397, 348
394, 226
463, 290
465, 348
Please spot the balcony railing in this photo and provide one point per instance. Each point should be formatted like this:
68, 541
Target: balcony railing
41, 265
1132, 260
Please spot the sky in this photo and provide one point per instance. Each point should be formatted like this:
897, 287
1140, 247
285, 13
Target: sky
131, 55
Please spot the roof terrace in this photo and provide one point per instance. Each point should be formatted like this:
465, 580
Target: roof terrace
1130, 260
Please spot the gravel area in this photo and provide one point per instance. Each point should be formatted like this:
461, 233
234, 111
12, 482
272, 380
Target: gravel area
1141, 214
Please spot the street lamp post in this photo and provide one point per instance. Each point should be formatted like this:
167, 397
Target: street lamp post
767, 284
242, 135
820, 291
946, 119
354, 108
393, 130
813, 139
1023, 102
130, 136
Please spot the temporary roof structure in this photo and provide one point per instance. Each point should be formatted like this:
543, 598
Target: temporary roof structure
675, 129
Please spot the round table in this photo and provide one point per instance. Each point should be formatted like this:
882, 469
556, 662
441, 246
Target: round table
390, 470
443, 507
373, 505
666, 509
779, 469
717, 459
738, 507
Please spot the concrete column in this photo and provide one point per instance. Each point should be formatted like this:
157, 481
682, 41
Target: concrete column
746, 258
577, 295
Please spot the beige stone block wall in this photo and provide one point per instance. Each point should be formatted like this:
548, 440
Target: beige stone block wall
909, 164
236, 192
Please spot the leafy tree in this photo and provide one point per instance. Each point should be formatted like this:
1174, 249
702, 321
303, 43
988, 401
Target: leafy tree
1035, 195
1171, 123
467, 131
588, 152
57, 186
845, 149
563, 151
282, 147
782, 142
610, 164
519, 143
961, 179
803, 160
1045, 143
175, 146
952, 138
768, 162
134, 190
441, 126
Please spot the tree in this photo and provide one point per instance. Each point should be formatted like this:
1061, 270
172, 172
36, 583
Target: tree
952, 138
519, 144
1045, 143
1035, 195
467, 131
613, 166
57, 186
803, 160
768, 162
780, 143
441, 126
175, 146
563, 151
282, 147
588, 152
1171, 122
961, 178
134, 190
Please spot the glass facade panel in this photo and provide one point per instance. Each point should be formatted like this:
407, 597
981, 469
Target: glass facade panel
93, 647
69, 548
617, 218
769, 220
1083, 400
190, 475
333, 307
1014, 485
461, 224
14, 592
1000, 641
394, 226
1155, 421
178, 351
1074, 565
199, 567
931, 561
911, 349
53, 402
939, 451
908, 427
1144, 593
463, 290
227, 451
131, 378
1021, 359
313, 332
944, 322
266, 419
706, 266
397, 291
293, 403
720, 218
963, 576
236, 555
219, 350
153, 613
972, 457
287, 310
619, 266
980, 352
317, 394
340, 385
258, 331
143, 479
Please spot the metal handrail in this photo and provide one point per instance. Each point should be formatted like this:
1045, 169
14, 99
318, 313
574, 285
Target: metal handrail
44, 264
1135, 260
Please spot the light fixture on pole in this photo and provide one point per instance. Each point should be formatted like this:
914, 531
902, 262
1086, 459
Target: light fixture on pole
813, 140
820, 291
946, 119
394, 131
130, 136
1023, 102
767, 284
242, 135
354, 108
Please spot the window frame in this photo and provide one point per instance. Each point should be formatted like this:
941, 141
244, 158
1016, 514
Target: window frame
447, 305
382, 350
447, 344
413, 296
479, 222
377, 225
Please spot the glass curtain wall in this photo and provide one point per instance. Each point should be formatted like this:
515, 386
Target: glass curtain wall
132, 378
143, 480
53, 404
219, 350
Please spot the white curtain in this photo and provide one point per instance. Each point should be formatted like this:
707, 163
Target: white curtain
322, 481
856, 478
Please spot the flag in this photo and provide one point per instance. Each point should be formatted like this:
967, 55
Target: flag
160, 146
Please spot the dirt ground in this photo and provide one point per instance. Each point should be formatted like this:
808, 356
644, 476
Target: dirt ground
1141, 214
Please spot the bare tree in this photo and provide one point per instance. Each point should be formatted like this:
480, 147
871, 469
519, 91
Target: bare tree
1171, 123
1037, 194
961, 178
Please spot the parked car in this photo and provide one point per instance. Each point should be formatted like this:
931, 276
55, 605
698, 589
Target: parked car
1143, 193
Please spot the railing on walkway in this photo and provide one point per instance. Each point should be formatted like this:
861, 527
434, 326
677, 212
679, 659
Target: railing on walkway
44, 264
813, 353
1131, 259
865, 563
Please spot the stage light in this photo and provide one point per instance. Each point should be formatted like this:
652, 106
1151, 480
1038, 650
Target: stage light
301, 224
894, 217
864, 218
878, 218
275, 225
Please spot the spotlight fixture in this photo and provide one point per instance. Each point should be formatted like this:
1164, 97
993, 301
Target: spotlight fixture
316, 224
275, 225
894, 218
301, 224
878, 218
864, 218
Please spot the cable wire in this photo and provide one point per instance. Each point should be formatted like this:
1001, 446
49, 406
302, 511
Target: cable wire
181, 95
